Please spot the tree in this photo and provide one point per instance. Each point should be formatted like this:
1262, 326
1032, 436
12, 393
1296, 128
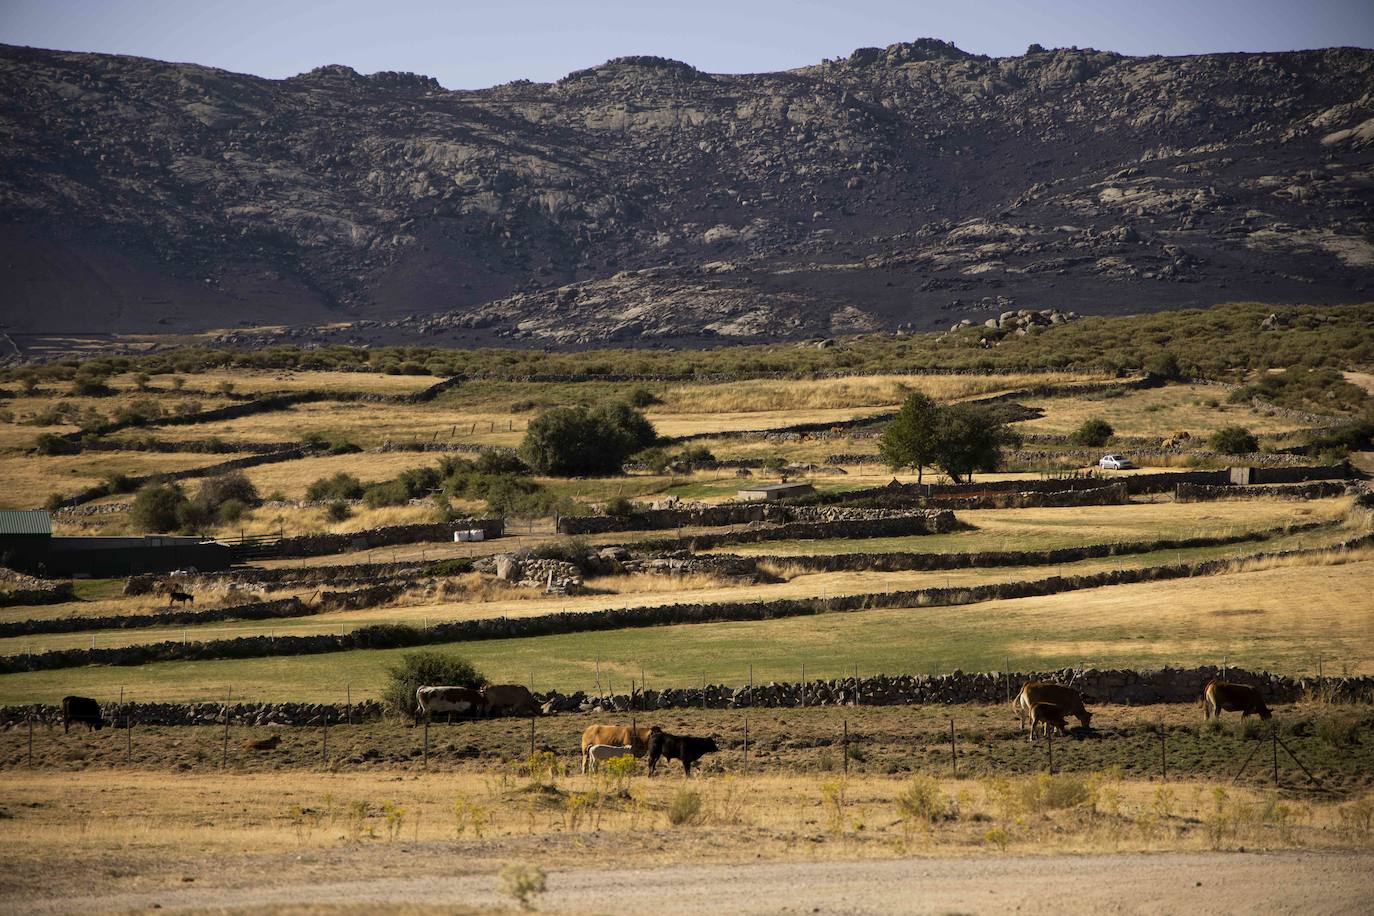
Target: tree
911, 439
1234, 440
1093, 432
969, 439
575, 441
1164, 365
158, 507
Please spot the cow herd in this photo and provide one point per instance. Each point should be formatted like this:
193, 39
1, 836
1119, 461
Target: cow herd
1048, 705
1045, 705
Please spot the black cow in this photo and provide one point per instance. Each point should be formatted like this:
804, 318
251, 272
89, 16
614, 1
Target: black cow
177, 597
686, 748
81, 709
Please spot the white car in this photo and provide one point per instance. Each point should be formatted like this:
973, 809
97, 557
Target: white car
1115, 462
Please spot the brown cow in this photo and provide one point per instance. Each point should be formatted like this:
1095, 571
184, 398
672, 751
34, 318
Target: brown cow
510, 699
1068, 700
1047, 715
262, 744
1219, 695
637, 739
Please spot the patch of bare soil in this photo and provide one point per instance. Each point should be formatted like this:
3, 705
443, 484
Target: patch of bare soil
1126, 883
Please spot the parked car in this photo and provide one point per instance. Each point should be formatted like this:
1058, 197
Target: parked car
1115, 462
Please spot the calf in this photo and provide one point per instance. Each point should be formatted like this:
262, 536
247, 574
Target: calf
83, 710
686, 748
177, 597
600, 753
461, 700
1219, 695
636, 739
262, 744
1069, 701
1047, 715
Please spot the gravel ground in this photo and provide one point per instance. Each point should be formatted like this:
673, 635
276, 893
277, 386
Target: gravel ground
1273, 883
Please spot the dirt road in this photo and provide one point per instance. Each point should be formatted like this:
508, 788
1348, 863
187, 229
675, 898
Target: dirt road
1170, 882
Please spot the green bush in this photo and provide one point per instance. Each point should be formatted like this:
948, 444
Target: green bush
575, 441
158, 507
1338, 732
338, 511
1164, 365
1093, 433
340, 486
1234, 440
53, 444
234, 486
619, 507
642, 397
426, 669
684, 808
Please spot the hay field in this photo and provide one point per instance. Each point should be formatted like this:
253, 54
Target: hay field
279, 381
1278, 619
28, 479
426, 606
1157, 412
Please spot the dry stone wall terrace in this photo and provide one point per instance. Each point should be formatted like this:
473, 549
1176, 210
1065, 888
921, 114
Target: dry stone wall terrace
901, 524
312, 545
1098, 686
1325, 489
704, 516
28, 590
389, 636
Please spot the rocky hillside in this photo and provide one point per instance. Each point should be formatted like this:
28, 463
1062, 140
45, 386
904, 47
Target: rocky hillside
913, 186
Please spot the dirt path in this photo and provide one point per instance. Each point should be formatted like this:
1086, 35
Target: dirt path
1127, 883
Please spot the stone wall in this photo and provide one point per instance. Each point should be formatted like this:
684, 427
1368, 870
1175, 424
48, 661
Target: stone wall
1324, 489
313, 545
890, 524
702, 516
1111, 686
28, 590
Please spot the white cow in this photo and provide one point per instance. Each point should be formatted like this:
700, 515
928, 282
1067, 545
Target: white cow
598, 753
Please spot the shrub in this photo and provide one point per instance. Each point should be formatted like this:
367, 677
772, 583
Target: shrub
426, 669
1093, 433
341, 486
1338, 732
619, 507
569, 550
685, 808
522, 882
115, 482
138, 412
642, 397
921, 802
389, 493
158, 507
53, 444
90, 386
1234, 440
235, 485
500, 463
453, 567
230, 511
1164, 365
338, 511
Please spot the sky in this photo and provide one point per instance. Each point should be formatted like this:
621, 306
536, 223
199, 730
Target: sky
470, 45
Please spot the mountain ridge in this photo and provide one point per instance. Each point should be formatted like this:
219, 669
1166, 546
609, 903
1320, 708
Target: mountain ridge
645, 200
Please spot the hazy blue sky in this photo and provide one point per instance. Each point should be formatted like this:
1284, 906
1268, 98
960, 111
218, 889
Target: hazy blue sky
472, 44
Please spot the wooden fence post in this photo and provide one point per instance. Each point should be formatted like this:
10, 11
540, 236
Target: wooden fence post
531, 736
746, 743
426, 742
845, 745
953, 752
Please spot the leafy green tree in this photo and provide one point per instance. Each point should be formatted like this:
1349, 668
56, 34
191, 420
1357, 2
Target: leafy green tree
575, 441
969, 439
1234, 440
340, 486
158, 507
911, 439
1093, 432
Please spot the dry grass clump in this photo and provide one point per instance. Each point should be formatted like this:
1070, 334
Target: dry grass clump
827, 394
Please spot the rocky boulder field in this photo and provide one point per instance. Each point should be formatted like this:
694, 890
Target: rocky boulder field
915, 186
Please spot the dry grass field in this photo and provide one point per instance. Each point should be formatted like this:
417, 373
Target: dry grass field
29, 479
262, 381
1194, 408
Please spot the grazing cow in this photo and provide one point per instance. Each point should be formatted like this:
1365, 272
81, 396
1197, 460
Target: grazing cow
1069, 701
176, 597
83, 710
599, 753
686, 748
262, 744
463, 701
510, 700
637, 739
1047, 714
1219, 695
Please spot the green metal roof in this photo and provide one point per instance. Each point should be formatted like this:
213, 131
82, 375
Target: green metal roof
25, 521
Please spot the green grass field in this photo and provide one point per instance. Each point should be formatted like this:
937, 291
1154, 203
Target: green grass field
1278, 619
